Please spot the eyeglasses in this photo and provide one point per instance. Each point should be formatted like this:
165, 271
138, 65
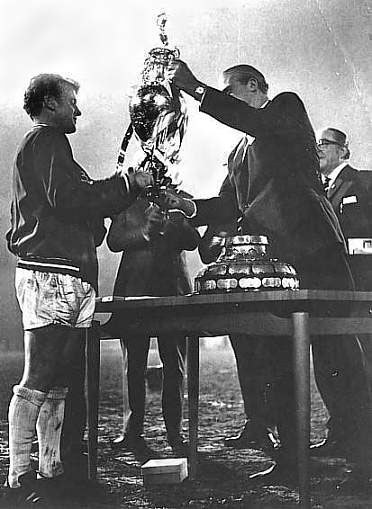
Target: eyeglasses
325, 143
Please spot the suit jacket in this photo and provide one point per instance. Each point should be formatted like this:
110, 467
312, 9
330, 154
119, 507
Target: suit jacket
158, 267
351, 198
273, 183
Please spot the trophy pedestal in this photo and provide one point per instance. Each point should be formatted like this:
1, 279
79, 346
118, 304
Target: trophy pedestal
245, 267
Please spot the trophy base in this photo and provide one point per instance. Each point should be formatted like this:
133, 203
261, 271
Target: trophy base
245, 267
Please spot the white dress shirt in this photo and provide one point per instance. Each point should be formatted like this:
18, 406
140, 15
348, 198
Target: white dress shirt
334, 174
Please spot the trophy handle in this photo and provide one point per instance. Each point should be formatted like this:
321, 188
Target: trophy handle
124, 146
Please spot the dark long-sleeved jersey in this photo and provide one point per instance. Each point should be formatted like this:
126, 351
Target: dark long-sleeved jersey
57, 211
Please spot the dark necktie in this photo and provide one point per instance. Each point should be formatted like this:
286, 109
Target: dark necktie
326, 182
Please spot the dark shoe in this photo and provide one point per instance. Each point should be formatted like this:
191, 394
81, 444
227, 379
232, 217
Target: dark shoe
277, 474
328, 448
25, 496
135, 444
118, 443
180, 448
67, 491
53, 489
253, 437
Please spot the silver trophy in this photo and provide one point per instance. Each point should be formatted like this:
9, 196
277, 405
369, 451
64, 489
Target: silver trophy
245, 266
158, 117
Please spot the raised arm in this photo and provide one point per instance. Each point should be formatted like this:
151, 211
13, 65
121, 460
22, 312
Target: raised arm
285, 116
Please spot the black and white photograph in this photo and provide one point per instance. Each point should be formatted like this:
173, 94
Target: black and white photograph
186, 254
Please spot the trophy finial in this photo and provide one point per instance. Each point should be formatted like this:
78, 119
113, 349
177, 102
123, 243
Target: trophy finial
161, 21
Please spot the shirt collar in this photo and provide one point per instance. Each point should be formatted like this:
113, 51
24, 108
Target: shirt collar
335, 173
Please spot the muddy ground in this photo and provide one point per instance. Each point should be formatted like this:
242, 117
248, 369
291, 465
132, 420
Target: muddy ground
223, 475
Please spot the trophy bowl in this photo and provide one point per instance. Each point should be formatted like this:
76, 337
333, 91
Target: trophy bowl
153, 108
244, 266
146, 105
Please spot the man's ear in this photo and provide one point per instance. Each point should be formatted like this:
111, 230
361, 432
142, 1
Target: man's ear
50, 103
345, 153
252, 84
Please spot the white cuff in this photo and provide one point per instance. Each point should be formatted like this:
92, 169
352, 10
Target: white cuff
126, 180
191, 215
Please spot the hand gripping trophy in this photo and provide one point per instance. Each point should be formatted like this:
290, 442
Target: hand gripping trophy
158, 117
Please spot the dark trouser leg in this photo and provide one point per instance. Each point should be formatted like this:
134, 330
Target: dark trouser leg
137, 348
335, 359
346, 394
343, 382
252, 358
75, 406
283, 394
361, 267
172, 351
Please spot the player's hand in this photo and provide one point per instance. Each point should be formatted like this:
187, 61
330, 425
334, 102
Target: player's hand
175, 200
217, 244
183, 78
140, 179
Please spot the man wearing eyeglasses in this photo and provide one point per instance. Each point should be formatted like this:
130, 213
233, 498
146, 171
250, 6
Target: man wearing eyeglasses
349, 192
273, 186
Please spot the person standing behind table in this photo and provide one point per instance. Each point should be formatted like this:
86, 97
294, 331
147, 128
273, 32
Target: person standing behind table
350, 194
57, 216
153, 263
275, 185
252, 362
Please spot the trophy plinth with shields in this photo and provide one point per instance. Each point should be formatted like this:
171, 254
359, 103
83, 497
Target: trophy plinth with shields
244, 266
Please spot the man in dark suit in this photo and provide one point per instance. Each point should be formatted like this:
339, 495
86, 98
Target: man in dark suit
252, 363
153, 263
349, 192
274, 187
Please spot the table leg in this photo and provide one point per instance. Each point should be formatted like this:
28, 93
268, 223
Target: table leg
92, 374
193, 398
301, 338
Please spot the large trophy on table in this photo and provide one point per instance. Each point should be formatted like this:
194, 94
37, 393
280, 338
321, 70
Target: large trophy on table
158, 117
245, 266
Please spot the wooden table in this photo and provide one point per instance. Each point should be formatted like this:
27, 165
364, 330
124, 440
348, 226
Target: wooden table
280, 313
